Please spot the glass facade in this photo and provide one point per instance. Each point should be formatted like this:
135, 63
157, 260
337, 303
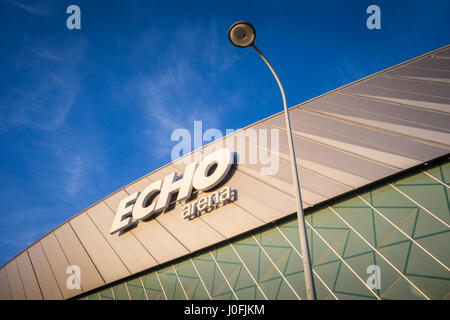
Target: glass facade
394, 237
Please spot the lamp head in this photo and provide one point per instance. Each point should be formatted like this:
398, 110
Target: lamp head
242, 34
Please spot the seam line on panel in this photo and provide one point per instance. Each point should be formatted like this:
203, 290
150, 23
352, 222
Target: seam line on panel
201, 279
223, 275
284, 156
51, 269
155, 219
404, 91
387, 75
301, 256
200, 216
386, 101
342, 259
248, 271
68, 261
329, 146
244, 171
35, 276
399, 134
128, 291
391, 103
107, 242
382, 256
231, 203
134, 235
412, 78
21, 281
275, 188
278, 154
256, 217
143, 287
396, 104
275, 266
372, 145
429, 69
434, 178
160, 283
87, 253
355, 155
419, 205
405, 234
179, 280
188, 251
9, 286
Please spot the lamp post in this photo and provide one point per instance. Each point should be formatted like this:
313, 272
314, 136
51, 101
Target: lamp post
242, 35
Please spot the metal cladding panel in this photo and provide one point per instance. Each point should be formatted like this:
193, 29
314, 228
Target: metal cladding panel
360, 141
44, 273
371, 143
443, 53
315, 188
392, 113
59, 264
106, 260
420, 74
28, 277
343, 140
113, 200
408, 85
261, 200
15, 282
127, 247
162, 245
388, 124
333, 157
432, 63
230, 219
427, 102
5, 292
77, 255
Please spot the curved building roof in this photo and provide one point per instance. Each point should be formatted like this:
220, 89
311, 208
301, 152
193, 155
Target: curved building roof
345, 139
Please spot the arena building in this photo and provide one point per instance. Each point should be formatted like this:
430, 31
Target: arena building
374, 168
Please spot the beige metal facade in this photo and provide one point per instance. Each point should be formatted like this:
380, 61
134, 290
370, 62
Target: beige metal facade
345, 139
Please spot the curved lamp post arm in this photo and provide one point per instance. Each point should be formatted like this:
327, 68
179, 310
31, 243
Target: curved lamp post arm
309, 279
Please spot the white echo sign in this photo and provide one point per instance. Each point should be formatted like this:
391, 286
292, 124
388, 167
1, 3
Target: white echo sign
141, 205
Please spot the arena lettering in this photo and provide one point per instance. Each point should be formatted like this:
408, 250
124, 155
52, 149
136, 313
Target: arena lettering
157, 196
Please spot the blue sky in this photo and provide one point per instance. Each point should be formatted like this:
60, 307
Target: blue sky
85, 112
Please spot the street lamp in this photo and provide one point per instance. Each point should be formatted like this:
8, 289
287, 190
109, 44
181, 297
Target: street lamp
242, 35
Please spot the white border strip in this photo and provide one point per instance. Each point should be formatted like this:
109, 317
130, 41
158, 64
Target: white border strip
314, 271
420, 206
275, 266
245, 266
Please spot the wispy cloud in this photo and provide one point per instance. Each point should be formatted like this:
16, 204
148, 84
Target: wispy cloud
74, 165
44, 86
181, 89
74, 172
37, 9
